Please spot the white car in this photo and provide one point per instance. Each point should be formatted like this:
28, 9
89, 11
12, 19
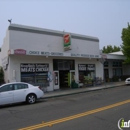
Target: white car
19, 92
127, 81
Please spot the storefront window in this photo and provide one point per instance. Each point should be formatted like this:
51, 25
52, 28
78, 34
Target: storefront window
117, 72
63, 64
106, 64
117, 64
36, 74
86, 70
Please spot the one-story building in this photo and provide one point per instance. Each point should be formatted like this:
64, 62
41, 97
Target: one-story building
54, 58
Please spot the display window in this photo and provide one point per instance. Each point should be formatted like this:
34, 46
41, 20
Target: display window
36, 74
86, 71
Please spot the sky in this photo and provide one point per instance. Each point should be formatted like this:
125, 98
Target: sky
104, 19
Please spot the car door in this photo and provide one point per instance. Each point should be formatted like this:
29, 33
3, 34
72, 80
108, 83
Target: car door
20, 92
128, 81
6, 94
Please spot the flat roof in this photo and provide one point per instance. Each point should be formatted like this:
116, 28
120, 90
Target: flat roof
38, 30
117, 53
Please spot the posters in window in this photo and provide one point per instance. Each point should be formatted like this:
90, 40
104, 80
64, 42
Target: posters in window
34, 67
85, 67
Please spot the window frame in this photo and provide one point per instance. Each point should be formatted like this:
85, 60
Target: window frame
21, 84
7, 90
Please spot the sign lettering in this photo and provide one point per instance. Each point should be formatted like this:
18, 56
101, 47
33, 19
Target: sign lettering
20, 51
34, 52
34, 67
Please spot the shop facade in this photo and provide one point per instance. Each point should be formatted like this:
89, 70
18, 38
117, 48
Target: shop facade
49, 58
114, 68
53, 59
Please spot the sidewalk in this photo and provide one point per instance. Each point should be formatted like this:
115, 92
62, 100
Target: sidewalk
60, 92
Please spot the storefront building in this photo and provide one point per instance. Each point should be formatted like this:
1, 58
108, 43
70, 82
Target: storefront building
114, 69
51, 59
47, 57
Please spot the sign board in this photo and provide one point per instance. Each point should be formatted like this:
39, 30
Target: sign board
90, 66
67, 42
82, 67
34, 67
86, 67
34, 53
20, 51
45, 53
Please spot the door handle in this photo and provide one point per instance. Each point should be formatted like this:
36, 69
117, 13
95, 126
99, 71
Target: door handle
9, 93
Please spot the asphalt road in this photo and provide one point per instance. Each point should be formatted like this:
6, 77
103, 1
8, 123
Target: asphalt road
97, 110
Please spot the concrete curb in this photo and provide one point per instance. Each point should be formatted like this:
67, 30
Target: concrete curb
73, 93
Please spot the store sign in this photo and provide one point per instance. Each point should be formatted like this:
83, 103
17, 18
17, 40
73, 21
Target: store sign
56, 54
75, 55
82, 67
34, 52
96, 56
52, 53
20, 52
91, 56
27, 67
85, 55
46, 53
34, 67
85, 67
90, 67
42, 67
67, 42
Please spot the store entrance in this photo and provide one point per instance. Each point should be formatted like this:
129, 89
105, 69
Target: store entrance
66, 69
64, 77
106, 75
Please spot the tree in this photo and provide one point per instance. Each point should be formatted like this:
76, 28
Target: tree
110, 49
1, 75
126, 43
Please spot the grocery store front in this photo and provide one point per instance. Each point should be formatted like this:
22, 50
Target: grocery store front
48, 57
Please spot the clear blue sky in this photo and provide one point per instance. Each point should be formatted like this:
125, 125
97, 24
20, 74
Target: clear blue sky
100, 18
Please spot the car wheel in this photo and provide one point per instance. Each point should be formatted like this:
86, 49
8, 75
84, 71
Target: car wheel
31, 98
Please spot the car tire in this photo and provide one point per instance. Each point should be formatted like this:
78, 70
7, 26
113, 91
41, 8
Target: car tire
31, 98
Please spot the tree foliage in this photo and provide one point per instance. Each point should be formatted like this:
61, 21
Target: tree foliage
126, 43
1, 75
110, 49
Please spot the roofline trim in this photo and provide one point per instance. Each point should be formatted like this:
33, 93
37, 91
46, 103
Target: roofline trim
48, 32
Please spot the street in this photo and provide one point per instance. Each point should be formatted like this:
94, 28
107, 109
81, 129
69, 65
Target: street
95, 110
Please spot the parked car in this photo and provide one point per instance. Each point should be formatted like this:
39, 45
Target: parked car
127, 81
19, 92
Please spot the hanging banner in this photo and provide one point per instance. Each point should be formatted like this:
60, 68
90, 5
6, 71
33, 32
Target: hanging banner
67, 42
